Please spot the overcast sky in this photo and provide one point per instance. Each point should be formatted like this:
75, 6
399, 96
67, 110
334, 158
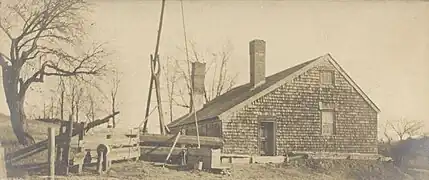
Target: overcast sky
383, 46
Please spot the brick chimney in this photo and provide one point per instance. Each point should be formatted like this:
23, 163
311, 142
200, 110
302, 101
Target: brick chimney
197, 83
257, 62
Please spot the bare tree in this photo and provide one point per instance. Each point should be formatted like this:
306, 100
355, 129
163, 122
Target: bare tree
113, 93
43, 35
91, 113
218, 78
62, 89
403, 128
171, 78
389, 138
75, 95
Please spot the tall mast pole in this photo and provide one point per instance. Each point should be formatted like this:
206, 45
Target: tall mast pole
193, 110
155, 73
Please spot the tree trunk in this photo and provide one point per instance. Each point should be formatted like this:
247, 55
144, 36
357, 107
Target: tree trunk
62, 105
77, 113
44, 110
17, 118
171, 102
15, 102
113, 111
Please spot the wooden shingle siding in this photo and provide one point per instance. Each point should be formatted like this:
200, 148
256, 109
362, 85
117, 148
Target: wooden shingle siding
296, 108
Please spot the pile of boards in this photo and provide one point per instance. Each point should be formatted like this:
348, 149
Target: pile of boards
104, 146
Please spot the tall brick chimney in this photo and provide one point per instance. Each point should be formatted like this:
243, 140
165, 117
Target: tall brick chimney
257, 62
197, 84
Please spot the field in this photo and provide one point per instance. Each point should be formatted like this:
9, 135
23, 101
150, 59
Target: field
301, 169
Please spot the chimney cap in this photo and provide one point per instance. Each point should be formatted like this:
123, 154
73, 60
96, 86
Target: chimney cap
257, 40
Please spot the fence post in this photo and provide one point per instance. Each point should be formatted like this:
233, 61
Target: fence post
66, 148
51, 152
60, 143
81, 135
3, 172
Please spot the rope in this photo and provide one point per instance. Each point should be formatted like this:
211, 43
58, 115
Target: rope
189, 71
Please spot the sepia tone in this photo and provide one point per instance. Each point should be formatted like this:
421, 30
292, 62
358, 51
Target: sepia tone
187, 89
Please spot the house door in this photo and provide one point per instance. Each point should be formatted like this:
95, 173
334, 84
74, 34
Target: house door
267, 145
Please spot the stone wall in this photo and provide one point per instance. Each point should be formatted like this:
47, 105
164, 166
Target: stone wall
296, 109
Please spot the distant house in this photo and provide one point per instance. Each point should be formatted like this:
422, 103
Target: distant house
314, 106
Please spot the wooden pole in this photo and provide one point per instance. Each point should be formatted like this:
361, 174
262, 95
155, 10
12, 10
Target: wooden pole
51, 152
158, 99
172, 148
100, 160
154, 79
60, 144
148, 103
66, 153
193, 110
81, 135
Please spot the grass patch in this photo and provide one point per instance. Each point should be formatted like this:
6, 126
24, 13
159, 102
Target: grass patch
39, 131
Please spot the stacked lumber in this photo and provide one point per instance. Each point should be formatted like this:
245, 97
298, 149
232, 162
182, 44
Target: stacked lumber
167, 140
122, 142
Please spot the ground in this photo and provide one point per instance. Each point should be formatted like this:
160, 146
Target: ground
301, 169
308, 169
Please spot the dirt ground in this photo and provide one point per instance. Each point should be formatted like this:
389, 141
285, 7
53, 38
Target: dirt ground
306, 169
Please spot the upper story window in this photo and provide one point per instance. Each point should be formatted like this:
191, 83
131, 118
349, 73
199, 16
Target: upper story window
327, 78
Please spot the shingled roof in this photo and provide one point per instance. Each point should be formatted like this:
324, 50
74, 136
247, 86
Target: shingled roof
236, 96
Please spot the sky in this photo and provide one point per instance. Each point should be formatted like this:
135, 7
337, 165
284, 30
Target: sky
383, 46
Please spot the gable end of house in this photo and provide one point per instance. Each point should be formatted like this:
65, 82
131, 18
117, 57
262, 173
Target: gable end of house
319, 61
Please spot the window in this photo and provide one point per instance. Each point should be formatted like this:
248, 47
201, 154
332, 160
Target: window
328, 118
327, 77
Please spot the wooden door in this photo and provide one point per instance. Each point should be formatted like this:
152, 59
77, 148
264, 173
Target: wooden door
267, 142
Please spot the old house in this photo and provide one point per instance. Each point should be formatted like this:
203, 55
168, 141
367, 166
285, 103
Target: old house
314, 106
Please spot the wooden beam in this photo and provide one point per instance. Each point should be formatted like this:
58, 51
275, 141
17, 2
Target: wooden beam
42, 145
99, 121
93, 142
161, 151
51, 152
124, 153
191, 140
172, 148
59, 144
151, 150
100, 160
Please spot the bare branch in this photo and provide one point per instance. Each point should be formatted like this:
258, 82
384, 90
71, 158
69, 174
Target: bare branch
404, 127
43, 29
6, 30
217, 75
